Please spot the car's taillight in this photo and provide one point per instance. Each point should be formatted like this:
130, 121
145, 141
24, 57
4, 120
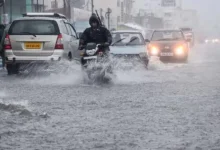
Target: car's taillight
100, 53
59, 42
7, 43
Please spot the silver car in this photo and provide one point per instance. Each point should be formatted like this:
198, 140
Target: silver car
128, 45
39, 37
81, 26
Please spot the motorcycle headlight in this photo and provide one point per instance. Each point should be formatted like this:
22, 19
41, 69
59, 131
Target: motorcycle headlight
179, 50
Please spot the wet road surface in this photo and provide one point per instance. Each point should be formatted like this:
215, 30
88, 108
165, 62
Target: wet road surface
170, 106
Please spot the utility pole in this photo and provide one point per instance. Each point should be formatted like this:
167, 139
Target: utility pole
64, 7
3, 6
92, 3
4, 11
10, 10
5, 19
43, 6
107, 15
37, 6
69, 8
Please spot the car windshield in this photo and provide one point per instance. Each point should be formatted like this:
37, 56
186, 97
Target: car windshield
167, 35
81, 25
36, 27
126, 38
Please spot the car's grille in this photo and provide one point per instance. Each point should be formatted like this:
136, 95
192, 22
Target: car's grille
166, 50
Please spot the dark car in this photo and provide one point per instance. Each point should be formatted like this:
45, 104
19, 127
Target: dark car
168, 44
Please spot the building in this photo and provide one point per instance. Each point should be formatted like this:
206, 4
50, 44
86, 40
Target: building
120, 10
170, 11
187, 18
14, 8
38, 5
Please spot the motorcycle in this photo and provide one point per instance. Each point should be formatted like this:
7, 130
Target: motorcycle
95, 62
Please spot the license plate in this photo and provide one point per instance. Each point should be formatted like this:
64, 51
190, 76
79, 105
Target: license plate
166, 54
91, 57
33, 45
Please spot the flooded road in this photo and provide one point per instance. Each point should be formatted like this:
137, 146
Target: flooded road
169, 106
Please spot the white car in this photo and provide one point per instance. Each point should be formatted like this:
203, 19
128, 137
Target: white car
38, 37
129, 45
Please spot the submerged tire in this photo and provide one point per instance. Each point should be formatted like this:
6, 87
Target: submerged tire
12, 68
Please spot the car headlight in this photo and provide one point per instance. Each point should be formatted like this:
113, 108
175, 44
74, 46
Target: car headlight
179, 50
143, 54
213, 41
216, 40
206, 41
154, 50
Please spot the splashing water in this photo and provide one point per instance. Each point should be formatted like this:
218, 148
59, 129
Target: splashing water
65, 73
71, 73
138, 73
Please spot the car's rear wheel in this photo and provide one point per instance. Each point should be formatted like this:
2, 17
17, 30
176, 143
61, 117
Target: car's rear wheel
12, 68
70, 56
146, 63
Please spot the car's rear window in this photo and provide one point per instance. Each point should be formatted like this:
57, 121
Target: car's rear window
167, 35
37, 27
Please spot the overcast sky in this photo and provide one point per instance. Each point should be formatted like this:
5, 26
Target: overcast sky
208, 10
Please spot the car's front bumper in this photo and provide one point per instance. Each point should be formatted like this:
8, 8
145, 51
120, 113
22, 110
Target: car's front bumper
11, 58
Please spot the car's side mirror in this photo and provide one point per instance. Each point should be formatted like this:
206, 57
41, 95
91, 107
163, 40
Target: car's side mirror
147, 41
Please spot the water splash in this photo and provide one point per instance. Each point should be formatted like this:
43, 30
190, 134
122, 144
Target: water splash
70, 73
138, 73
65, 73
19, 108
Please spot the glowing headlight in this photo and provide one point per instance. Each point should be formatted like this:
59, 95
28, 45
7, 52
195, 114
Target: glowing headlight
179, 51
216, 40
154, 50
206, 41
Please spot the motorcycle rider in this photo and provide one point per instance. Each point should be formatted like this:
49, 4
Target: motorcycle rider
95, 34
